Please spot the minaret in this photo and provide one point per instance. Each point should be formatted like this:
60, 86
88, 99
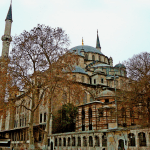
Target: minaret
6, 38
98, 43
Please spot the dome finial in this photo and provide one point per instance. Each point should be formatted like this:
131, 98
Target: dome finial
82, 41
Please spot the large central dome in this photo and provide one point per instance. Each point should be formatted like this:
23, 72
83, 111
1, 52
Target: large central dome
86, 49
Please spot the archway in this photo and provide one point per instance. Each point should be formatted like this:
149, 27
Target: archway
51, 145
121, 144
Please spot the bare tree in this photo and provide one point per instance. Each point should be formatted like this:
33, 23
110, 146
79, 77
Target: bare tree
36, 66
136, 89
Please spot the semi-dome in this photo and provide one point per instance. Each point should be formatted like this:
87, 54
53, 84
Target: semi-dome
98, 70
106, 93
120, 66
86, 49
101, 65
78, 69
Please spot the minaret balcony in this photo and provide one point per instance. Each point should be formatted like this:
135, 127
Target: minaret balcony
6, 38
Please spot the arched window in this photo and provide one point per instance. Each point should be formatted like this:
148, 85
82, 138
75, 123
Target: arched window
64, 142
122, 73
82, 79
25, 120
77, 101
94, 81
29, 104
90, 119
99, 58
59, 141
73, 141
55, 141
51, 145
79, 141
91, 99
97, 141
90, 141
100, 113
131, 139
123, 113
93, 57
74, 77
90, 113
48, 142
110, 83
121, 83
116, 84
104, 140
84, 141
121, 143
86, 56
21, 136
68, 141
132, 115
22, 120
40, 136
142, 139
45, 117
40, 117
83, 120
85, 98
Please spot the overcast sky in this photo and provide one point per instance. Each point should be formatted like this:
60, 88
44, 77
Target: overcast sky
123, 25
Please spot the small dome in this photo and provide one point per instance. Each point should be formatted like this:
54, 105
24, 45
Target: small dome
106, 93
120, 66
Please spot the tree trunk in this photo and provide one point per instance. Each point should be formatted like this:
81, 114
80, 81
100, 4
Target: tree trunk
48, 129
31, 136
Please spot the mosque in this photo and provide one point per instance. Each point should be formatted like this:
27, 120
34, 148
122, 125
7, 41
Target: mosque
102, 122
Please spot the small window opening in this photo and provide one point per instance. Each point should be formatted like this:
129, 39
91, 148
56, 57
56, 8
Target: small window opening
86, 57
106, 100
82, 79
90, 141
45, 117
99, 58
40, 118
68, 141
73, 141
55, 141
79, 141
93, 57
74, 77
64, 144
94, 81
84, 141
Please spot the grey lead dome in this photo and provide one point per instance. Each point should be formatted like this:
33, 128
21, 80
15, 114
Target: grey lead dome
86, 48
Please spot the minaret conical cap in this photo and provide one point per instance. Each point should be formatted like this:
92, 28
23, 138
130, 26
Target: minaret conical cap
9, 14
98, 42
